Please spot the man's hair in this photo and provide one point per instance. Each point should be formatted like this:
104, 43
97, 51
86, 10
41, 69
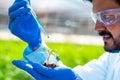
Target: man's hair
118, 1
88, 0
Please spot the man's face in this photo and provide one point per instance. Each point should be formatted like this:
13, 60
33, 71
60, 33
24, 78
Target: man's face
109, 32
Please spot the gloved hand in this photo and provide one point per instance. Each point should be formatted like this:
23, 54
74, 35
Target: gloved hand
24, 24
40, 72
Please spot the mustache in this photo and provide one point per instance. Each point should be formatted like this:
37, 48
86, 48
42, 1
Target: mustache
103, 33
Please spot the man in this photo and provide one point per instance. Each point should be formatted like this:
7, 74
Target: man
106, 14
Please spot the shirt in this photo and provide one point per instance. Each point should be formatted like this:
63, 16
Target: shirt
107, 67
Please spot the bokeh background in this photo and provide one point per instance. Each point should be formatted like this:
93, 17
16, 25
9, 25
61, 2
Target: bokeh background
71, 31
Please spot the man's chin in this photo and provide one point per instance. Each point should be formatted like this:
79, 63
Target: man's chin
111, 51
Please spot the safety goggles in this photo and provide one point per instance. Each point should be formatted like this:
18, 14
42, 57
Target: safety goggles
107, 17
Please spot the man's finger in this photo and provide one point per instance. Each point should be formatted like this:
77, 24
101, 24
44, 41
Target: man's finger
28, 68
47, 71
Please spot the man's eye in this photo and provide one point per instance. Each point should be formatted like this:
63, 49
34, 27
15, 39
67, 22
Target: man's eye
108, 18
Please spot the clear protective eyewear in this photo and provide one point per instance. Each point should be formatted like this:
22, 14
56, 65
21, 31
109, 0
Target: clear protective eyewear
107, 17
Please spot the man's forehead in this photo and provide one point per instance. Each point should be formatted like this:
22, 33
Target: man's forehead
99, 5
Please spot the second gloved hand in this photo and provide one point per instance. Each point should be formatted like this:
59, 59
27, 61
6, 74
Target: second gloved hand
40, 72
23, 23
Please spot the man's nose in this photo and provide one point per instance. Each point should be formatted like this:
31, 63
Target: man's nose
99, 26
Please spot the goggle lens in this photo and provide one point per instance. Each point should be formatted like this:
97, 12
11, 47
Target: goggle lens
107, 17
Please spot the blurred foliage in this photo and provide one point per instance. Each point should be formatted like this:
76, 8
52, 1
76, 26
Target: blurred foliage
70, 54
10, 50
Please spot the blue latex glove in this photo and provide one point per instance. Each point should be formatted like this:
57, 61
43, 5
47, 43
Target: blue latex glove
24, 24
40, 72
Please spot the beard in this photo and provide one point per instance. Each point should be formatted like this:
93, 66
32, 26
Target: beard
116, 43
